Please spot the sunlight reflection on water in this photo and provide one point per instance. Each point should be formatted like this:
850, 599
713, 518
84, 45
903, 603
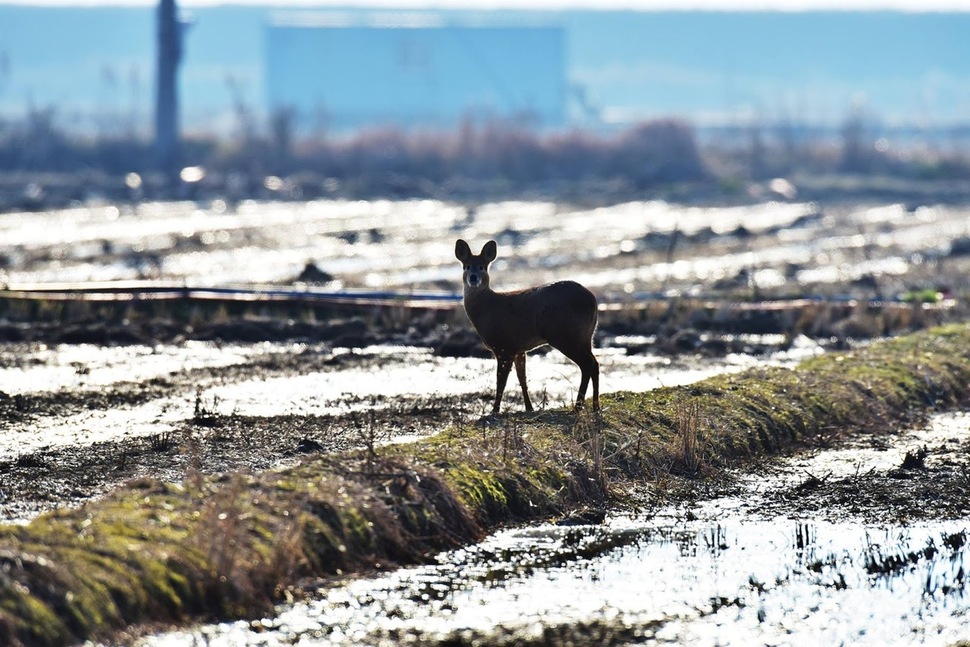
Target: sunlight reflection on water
378, 377
730, 582
409, 244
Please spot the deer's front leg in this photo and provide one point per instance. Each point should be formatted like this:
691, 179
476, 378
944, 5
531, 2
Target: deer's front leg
520, 372
504, 368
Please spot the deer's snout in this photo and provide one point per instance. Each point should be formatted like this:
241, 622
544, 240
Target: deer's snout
473, 279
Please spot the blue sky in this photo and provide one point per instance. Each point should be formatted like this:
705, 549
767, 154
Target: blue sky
97, 65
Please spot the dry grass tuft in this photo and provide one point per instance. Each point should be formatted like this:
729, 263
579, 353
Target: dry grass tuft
691, 455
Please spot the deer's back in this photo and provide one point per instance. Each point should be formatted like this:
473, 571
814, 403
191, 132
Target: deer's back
565, 308
513, 322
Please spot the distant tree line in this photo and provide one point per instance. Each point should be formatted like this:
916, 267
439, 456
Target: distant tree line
477, 155
652, 153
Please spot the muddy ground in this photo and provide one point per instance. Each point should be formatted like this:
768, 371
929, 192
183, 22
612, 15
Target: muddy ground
797, 245
212, 440
933, 482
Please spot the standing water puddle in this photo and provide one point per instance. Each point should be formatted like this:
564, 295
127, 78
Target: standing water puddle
378, 376
76, 366
417, 373
708, 578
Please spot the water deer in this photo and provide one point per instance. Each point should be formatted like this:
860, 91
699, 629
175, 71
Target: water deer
561, 314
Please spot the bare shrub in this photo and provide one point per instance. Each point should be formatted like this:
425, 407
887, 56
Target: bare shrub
511, 438
659, 151
588, 430
162, 441
511, 150
370, 434
206, 413
193, 470
690, 445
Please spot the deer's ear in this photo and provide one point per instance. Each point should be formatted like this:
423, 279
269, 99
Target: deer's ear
462, 251
490, 251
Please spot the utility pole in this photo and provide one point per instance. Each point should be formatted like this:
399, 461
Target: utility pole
166, 99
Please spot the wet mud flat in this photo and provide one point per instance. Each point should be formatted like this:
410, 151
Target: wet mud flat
303, 373
868, 249
82, 418
89, 407
66, 446
184, 387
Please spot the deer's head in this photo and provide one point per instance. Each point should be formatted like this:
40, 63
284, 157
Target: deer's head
475, 267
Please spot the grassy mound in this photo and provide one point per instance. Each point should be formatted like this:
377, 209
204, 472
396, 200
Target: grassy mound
232, 545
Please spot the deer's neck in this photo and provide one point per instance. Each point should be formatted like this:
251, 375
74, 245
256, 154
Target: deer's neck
477, 300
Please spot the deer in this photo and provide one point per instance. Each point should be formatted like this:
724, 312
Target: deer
562, 315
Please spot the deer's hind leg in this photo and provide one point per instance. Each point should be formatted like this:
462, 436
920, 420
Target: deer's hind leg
590, 369
501, 378
594, 373
520, 372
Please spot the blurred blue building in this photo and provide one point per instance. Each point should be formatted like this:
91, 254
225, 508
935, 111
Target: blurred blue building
90, 69
341, 71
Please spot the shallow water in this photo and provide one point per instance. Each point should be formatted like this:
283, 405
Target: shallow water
82, 366
384, 376
711, 577
615, 250
417, 373
733, 583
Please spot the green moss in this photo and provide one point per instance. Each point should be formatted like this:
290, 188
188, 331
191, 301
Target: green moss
478, 490
28, 610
